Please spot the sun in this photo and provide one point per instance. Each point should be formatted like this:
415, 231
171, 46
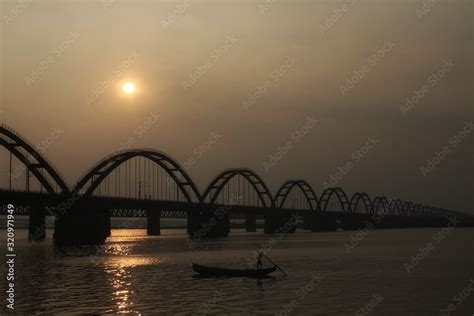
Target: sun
128, 88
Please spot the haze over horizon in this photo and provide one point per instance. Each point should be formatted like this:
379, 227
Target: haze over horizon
380, 92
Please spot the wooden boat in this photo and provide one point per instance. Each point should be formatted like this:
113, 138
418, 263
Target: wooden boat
221, 272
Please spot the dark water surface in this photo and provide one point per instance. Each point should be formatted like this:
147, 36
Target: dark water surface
137, 274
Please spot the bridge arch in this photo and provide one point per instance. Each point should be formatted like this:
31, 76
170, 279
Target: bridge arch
381, 201
435, 210
364, 197
341, 196
396, 207
426, 209
409, 209
444, 212
94, 177
215, 187
33, 160
304, 186
419, 209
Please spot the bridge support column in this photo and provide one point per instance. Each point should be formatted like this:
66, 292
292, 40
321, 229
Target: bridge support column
208, 223
108, 223
463, 222
153, 224
392, 221
352, 221
251, 223
324, 222
308, 221
37, 223
280, 222
409, 221
82, 224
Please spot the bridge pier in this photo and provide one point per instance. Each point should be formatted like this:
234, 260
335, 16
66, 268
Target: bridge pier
37, 223
391, 221
307, 222
280, 222
83, 224
323, 222
208, 223
465, 222
251, 223
153, 223
108, 223
352, 221
409, 221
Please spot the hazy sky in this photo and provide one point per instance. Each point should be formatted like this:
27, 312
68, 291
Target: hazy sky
253, 73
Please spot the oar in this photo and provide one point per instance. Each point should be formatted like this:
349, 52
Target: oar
276, 265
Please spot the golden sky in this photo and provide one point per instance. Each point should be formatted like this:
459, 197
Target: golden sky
253, 72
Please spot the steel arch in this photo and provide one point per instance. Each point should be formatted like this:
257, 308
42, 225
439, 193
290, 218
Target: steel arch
419, 209
219, 182
396, 207
102, 169
426, 209
434, 210
32, 159
341, 196
356, 198
408, 208
381, 201
288, 186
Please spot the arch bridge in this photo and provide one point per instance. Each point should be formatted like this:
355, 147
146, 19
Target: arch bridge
148, 183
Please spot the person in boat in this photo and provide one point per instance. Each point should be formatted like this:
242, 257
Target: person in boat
259, 260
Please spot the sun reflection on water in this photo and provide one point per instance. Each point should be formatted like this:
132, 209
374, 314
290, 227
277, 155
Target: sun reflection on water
120, 281
120, 270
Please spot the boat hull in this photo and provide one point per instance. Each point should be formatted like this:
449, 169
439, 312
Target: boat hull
220, 272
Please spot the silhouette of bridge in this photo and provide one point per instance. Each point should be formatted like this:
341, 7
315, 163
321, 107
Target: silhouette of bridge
148, 183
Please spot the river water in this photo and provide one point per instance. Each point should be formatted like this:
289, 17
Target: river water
137, 274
